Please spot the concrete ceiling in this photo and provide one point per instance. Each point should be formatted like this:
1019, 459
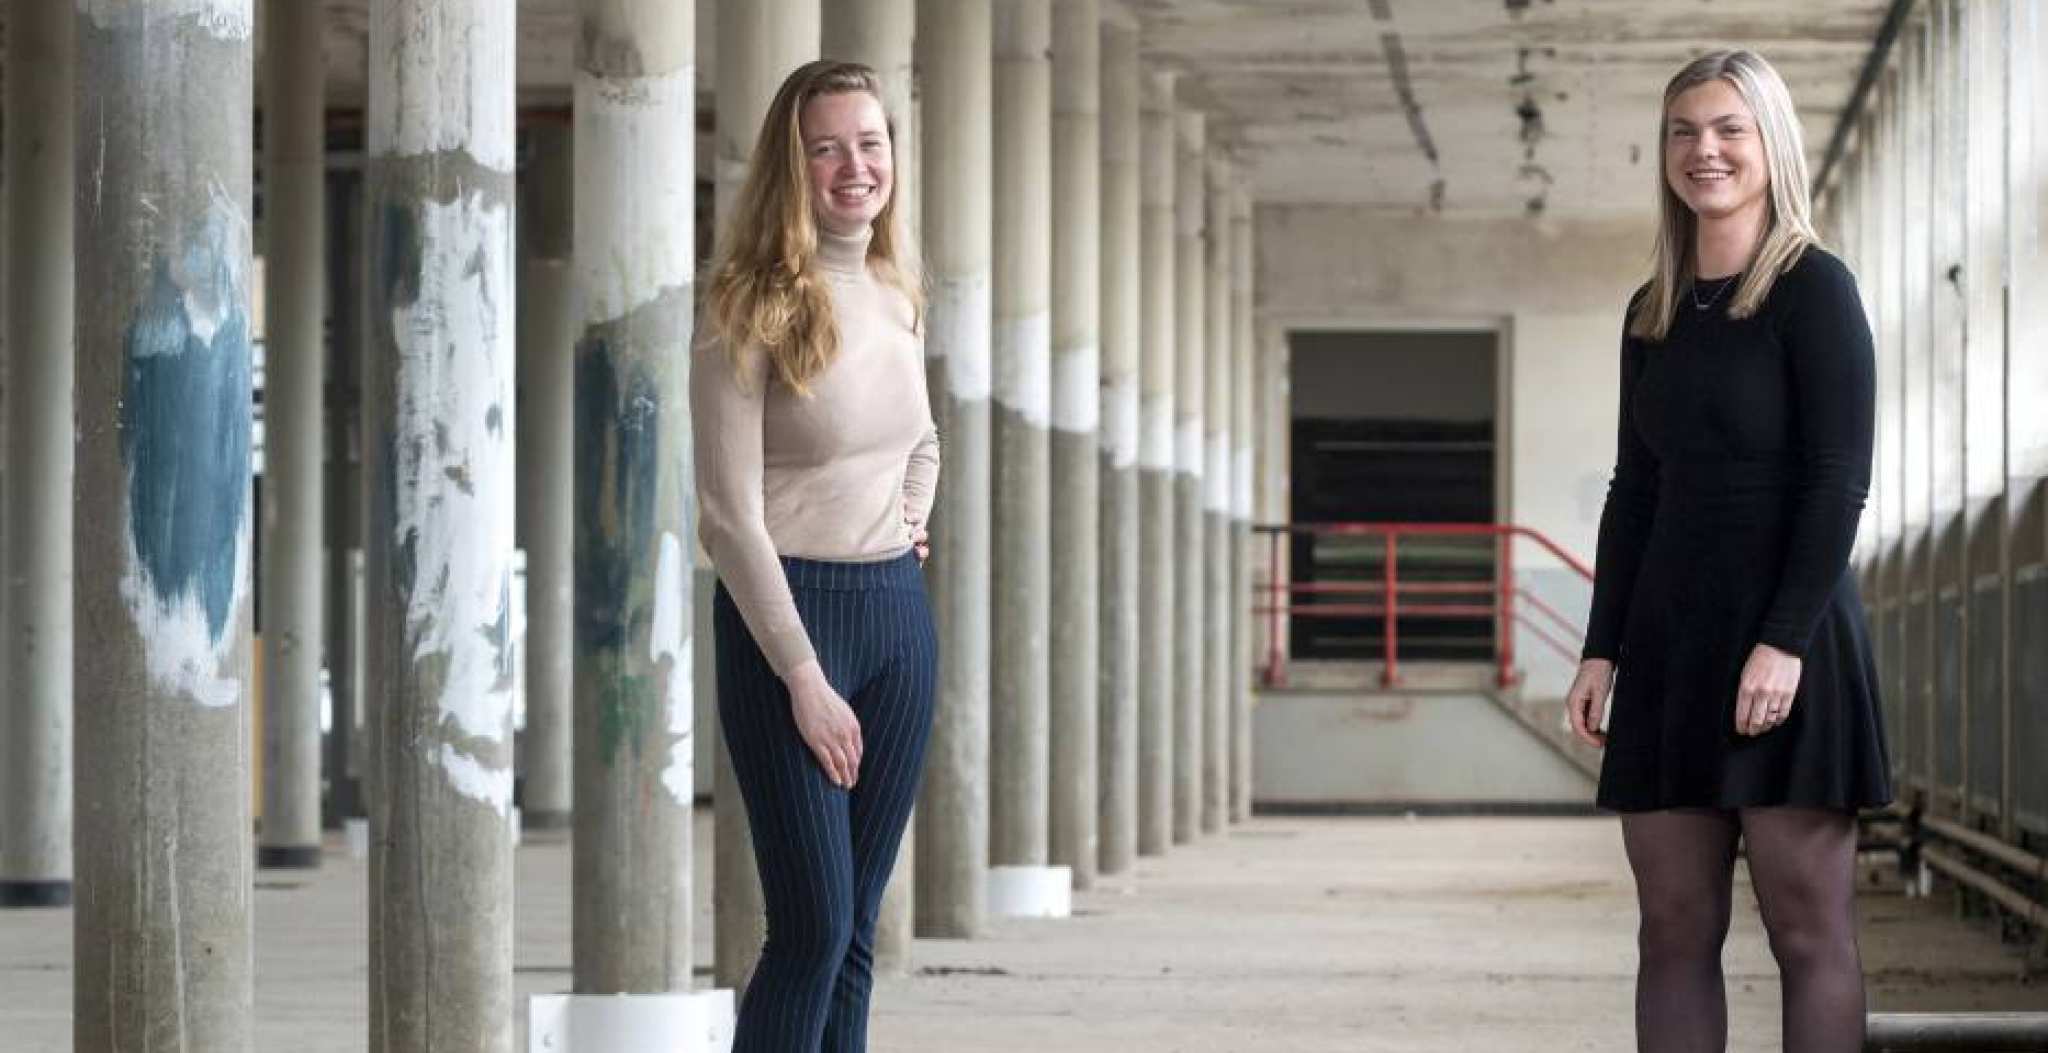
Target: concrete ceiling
1525, 105
1487, 106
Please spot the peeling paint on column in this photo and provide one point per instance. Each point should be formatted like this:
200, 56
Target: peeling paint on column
960, 312
1077, 381
188, 495
642, 204
1023, 366
1216, 473
227, 20
618, 461
159, 423
1156, 446
669, 641
444, 99
452, 461
1119, 425
440, 419
635, 663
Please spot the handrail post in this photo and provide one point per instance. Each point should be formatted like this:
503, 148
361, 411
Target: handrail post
1504, 569
1391, 675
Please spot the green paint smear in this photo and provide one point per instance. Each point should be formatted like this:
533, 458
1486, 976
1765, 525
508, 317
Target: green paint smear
629, 706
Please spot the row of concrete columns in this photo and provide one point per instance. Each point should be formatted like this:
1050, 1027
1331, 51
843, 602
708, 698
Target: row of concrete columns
1088, 337
1936, 203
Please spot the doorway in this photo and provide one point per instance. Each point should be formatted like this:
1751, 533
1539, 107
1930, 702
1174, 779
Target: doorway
1394, 426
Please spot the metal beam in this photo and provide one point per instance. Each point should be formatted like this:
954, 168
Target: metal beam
1880, 53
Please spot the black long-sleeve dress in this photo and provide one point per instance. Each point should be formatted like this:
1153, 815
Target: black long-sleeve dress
1742, 465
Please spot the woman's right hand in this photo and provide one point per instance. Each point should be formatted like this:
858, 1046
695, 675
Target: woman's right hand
1586, 704
826, 723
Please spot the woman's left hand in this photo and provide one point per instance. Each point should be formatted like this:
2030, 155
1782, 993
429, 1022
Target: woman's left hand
920, 542
1770, 679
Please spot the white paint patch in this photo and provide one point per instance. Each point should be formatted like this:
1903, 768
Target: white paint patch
1241, 475
472, 779
221, 244
1155, 448
1216, 475
443, 77
669, 638
223, 19
635, 216
1120, 422
959, 321
1187, 444
178, 649
1077, 390
453, 445
1023, 365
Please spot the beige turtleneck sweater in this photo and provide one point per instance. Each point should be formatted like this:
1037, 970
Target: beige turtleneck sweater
843, 473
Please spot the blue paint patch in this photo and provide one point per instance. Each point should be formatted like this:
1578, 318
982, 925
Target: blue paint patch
618, 459
185, 420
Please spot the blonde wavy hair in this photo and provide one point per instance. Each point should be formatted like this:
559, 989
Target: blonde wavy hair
766, 290
1788, 231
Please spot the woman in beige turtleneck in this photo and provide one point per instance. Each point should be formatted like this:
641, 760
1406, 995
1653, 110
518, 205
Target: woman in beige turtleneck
816, 461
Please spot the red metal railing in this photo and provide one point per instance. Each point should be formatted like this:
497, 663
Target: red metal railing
1504, 600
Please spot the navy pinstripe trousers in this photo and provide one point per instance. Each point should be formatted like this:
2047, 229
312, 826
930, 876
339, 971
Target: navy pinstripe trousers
824, 853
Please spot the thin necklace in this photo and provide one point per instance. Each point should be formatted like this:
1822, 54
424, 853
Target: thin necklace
1694, 292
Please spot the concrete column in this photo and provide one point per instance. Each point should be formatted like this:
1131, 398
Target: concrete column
879, 34
164, 865
345, 497
1158, 281
35, 703
546, 441
635, 507
759, 43
294, 275
1076, 411
2026, 374
1983, 396
1121, 519
1216, 484
954, 48
438, 576
1021, 585
1243, 384
1191, 363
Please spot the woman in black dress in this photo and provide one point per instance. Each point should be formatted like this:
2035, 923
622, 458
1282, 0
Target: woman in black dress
1725, 620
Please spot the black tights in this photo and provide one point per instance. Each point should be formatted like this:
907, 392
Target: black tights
1802, 862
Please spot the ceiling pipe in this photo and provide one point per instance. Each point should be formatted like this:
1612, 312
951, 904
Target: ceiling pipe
1972, 1032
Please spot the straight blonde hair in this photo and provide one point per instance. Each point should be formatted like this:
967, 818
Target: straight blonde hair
766, 290
1788, 229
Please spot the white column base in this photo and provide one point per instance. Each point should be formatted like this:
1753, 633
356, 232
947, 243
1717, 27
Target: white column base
1031, 892
694, 1022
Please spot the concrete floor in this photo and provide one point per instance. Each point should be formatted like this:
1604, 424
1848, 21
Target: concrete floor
1286, 935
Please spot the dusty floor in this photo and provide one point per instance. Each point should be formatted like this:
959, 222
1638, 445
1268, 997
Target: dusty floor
1286, 935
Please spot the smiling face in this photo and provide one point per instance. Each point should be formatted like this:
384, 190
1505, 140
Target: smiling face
848, 155
1714, 153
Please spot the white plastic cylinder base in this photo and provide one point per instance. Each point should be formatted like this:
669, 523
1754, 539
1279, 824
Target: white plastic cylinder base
693, 1022
1031, 892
